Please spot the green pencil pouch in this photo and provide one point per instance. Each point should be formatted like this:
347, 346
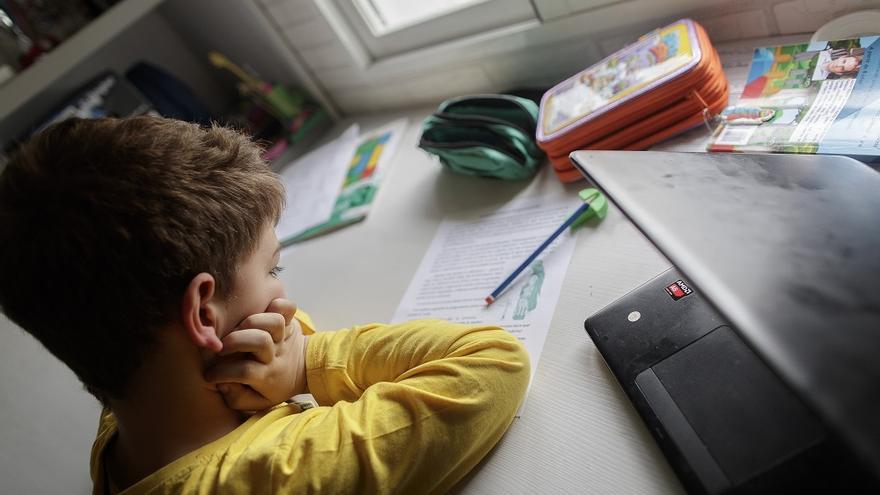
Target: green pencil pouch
485, 135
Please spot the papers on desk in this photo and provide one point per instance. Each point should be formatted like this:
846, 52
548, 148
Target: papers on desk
472, 253
334, 185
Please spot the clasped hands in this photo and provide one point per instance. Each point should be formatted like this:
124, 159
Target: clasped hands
262, 362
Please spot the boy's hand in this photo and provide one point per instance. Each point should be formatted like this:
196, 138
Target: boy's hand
266, 360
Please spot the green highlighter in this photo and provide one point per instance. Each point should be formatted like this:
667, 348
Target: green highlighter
595, 205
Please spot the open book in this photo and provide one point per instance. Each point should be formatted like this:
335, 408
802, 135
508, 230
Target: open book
335, 185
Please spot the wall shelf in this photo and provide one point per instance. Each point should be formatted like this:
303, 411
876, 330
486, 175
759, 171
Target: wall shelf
54, 65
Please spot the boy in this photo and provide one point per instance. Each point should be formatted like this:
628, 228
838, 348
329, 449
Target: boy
151, 242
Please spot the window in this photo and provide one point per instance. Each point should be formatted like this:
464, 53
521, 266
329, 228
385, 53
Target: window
383, 28
387, 16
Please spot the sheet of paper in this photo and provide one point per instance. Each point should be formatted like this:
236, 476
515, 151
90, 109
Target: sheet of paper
471, 254
313, 183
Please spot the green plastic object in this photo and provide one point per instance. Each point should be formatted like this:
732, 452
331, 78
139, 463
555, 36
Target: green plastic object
598, 206
485, 135
288, 102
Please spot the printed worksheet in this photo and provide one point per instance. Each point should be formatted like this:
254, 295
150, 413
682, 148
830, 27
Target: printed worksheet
473, 253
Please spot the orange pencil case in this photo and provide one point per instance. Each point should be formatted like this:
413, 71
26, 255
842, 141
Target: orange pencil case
667, 82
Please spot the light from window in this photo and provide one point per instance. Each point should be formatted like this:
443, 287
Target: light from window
386, 16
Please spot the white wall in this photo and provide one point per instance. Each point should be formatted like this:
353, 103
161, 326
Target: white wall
571, 38
233, 28
47, 420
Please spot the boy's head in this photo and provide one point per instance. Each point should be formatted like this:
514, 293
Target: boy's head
105, 223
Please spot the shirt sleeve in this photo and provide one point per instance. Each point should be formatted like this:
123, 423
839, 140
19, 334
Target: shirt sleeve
305, 322
407, 408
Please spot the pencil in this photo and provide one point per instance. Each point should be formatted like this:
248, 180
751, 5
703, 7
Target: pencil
574, 216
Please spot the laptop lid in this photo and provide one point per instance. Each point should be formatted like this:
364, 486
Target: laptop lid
787, 247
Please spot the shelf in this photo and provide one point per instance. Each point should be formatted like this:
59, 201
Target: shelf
74, 50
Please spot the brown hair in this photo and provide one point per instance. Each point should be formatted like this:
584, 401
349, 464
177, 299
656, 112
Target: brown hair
104, 222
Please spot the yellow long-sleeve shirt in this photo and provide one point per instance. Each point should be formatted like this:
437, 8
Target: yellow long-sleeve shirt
407, 408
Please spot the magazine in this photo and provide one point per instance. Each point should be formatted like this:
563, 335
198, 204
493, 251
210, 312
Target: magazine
819, 97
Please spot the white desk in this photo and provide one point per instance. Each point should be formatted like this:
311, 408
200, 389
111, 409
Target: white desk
578, 432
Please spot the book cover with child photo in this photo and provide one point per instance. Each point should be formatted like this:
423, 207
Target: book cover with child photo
820, 97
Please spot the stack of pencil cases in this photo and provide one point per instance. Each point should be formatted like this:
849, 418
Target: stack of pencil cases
667, 82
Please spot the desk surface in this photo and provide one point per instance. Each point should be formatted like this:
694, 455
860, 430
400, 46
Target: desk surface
578, 432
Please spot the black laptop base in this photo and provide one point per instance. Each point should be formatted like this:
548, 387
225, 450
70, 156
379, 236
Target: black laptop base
724, 420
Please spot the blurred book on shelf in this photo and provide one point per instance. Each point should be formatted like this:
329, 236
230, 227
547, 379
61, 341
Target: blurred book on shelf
280, 115
107, 95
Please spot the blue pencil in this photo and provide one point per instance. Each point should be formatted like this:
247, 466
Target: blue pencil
574, 216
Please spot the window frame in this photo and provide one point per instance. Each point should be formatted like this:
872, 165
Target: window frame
374, 16
472, 22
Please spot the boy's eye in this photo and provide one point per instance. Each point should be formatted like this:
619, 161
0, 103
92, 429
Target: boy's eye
276, 270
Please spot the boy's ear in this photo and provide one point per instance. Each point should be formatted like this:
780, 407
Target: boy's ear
201, 316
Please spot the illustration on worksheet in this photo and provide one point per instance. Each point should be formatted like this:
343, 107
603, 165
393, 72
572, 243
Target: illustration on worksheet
528, 295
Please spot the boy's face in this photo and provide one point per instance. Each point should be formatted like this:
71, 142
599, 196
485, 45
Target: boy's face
256, 282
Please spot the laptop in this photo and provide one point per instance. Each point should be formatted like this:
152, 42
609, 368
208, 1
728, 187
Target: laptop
755, 361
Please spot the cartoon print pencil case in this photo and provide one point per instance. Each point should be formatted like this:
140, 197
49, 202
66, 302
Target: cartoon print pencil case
667, 82
490, 135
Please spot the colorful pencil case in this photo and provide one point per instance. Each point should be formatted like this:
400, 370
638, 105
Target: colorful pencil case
667, 82
488, 135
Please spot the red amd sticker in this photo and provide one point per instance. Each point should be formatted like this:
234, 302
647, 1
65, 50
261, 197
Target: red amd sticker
678, 289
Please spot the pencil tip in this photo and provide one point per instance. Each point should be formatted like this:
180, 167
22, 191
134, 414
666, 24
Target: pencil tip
489, 300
